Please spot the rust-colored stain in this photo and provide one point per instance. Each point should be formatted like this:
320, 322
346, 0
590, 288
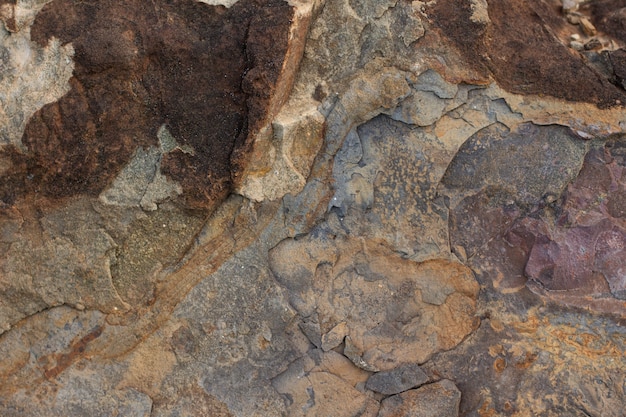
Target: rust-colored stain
486, 409
526, 361
76, 351
499, 364
508, 407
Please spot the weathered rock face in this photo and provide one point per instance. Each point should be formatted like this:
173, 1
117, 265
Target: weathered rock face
160, 107
517, 42
419, 309
189, 79
340, 207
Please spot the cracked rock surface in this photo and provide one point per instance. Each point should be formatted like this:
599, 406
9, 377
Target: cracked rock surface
312, 208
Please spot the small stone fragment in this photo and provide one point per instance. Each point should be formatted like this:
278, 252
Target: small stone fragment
338, 365
592, 44
311, 329
432, 81
480, 12
422, 108
413, 29
588, 28
440, 399
355, 355
371, 409
570, 6
397, 380
320, 394
333, 396
578, 46
573, 18
334, 338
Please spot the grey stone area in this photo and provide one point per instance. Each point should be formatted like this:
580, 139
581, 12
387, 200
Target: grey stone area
141, 182
402, 378
534, 162
410, 237
389, 174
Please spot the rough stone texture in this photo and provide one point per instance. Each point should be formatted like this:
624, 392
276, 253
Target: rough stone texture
139, 104
524, 363
402, 378
440, 399
312, 208
140, 68
389, 310
519, 46
321, 393
581, 254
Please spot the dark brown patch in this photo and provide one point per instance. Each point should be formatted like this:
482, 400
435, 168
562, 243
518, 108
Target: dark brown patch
520, 49
609, 16
205, 72
618, 66
7, 15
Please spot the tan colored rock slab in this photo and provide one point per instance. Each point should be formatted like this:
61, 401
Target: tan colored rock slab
395, 310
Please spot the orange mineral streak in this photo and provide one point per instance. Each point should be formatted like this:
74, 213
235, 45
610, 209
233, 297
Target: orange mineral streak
76, 350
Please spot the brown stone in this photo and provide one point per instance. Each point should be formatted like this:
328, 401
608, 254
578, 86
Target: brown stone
206, 73
608, 16
519, 48
109, 306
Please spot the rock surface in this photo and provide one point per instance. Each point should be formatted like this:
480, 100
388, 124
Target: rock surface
433, 400
402, 378
312, 208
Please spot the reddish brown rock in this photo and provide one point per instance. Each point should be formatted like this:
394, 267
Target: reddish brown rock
608, 16
518, 44
581, 256
206, 73
525, 228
